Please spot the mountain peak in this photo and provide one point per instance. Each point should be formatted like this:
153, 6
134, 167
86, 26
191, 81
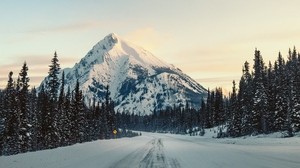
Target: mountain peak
112, 38
139, 82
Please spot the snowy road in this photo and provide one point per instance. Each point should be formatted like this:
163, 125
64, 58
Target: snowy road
166, 151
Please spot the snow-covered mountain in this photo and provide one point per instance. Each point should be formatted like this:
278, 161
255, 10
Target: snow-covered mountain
138, 81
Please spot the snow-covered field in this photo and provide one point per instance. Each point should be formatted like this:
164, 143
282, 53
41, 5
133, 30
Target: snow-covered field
153, 150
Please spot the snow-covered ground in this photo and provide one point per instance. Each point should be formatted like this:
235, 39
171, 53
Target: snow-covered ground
153, 150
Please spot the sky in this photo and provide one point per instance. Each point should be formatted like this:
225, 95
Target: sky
207, 39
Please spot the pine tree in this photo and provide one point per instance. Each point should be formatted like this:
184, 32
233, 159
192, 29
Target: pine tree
2, 122
203, 114
78, 116
11, 138
68, 112
271, 94
293, 68
53, 136
208, 120
53, 81
45, 120
234, 129
33, 120
245, 99
107, 114
25, 126
218, 115
62, 117
260, 96
281, 105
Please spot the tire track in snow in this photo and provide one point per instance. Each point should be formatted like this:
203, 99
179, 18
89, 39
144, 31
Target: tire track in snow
149, 156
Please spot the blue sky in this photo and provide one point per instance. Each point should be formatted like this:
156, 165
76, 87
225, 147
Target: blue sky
208, 40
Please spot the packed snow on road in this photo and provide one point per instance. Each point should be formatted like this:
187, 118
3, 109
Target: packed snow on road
153, 150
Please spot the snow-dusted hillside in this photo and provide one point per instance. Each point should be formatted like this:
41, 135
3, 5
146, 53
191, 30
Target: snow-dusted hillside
139, 82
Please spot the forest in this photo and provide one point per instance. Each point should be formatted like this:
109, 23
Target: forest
266, 100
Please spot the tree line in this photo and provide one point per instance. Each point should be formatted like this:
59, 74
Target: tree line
33, 120
267, 100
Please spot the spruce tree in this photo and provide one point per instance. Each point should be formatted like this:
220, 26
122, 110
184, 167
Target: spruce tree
2, 122
25, 126
260, 96
295, 116
53, 136
281, 104
53, 80
11, 139
68, 115
33, 119
271, 94
245, 99
78, 116
45, 118
62, 118
234, 129
208, 120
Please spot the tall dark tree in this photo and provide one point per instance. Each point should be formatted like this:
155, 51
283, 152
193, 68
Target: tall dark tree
78, 116
245, 99
46, 121
2, 122
62, 118
234, 128
218, 113
281, 105
25, 125
271, 94
53, 80
33, 120
293, 67
208, 118
53, 88
11, 139
260, 96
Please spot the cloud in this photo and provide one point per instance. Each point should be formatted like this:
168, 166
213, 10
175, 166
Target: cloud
224, 82
38, 66
148, 38
79, 26
34, 81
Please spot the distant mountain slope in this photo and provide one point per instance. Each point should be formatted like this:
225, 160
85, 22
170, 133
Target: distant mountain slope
139, 82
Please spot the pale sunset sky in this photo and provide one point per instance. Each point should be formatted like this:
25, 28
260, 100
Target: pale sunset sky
207, 39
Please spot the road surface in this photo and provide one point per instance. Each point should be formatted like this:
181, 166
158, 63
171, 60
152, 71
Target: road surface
164, 151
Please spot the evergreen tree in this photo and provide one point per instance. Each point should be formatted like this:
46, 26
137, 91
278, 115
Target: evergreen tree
25, 126
234, 129
271, 94
2, 122
207, 119
218, 115
62, 117
53, 136
33, 120
260, 96
245, 99
53, 81
11, 138
294, 72
203, 114
68, 115
45, 117
78, 116
281, 105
